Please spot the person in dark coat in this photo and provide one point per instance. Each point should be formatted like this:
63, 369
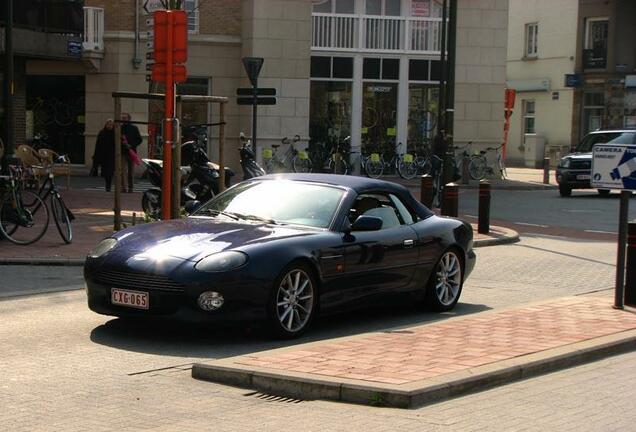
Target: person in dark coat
105, 152
131, 139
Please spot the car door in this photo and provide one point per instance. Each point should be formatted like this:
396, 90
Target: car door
380, 261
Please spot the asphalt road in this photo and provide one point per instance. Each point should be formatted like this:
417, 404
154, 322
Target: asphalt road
585, 211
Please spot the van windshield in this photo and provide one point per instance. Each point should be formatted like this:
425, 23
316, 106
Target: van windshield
605, 138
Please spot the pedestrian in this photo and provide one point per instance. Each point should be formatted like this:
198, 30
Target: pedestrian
104, 155
131, 139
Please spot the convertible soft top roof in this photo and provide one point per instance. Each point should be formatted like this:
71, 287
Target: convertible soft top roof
356, 183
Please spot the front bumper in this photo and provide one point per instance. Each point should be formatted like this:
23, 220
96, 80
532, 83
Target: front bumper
244, 300
574, 178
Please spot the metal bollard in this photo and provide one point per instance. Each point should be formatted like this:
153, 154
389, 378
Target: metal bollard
134, 219
426, 190
630, 274
450, 204
546, 171
483, 224
465, 173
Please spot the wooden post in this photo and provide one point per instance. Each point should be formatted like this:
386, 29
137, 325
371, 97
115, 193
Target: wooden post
222, 147
118, 170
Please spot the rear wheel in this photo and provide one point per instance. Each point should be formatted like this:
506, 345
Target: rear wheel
445, 284
564, 190
61, 218
374, 168
301, 165
407, 170
477, 168
293, 301
26, 222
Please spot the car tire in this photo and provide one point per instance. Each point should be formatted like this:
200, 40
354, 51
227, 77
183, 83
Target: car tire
445, 284
604, 192
293, 301
565, 191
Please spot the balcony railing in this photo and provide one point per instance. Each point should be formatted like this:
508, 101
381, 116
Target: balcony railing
370, 33
93, 29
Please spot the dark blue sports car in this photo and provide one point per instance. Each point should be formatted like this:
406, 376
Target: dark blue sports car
282, 249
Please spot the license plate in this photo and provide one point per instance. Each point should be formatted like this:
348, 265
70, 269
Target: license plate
134, 299
583, 177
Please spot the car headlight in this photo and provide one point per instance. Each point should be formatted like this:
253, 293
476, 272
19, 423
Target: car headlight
222, 261
565, 162
103, 247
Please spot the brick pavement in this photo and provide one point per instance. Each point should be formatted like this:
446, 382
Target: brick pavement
423, 352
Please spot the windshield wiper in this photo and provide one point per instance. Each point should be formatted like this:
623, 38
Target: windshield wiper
256, 218
221, 212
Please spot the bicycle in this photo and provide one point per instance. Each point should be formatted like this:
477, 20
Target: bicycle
298, 161
324, 160
479, 167
61, 213
19, 224
403, 164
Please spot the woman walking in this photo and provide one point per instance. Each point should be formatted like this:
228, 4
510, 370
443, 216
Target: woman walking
105, 152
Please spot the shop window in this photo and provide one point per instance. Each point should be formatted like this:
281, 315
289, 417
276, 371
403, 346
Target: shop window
342, 67
418, 70
329, 112
423, 107
320, 67
436, 70
593, 111
371, 68
390, 69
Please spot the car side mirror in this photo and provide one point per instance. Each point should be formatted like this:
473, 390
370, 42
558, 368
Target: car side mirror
192, 206
367, 223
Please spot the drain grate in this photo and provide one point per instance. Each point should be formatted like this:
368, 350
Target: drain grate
272, 398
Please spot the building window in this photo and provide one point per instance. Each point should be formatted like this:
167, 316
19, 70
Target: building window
528, 117
335, 6
593, 110
595, 54
532, 45
383, 7
192, 9
385, 69
331, 67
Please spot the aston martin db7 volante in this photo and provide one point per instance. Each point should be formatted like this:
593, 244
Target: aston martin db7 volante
282, 249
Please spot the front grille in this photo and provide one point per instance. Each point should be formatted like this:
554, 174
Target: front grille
137, 281
580, 164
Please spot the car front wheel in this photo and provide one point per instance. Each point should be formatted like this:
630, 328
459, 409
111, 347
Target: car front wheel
293, 302
565, 191
445, 284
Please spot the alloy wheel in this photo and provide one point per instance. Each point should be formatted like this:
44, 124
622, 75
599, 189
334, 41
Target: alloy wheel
294, 301
448, 279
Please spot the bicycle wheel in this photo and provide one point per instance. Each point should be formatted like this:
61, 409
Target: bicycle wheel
21, 224
374, 168
477, 168
61, 218
407, 170
301, 165
331, 167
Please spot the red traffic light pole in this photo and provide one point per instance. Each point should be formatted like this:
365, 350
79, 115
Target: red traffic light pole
171, 38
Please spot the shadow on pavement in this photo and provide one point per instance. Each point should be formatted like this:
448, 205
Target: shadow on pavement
186, 340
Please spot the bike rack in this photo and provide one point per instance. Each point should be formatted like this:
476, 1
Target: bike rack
176, 155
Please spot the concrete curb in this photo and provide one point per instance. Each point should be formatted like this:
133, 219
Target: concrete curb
308, 386
510, 236
54, 262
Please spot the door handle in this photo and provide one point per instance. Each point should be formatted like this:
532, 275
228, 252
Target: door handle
408, 243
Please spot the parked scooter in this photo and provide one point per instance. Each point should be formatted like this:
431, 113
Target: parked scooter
151, 198
248, 160
204, 175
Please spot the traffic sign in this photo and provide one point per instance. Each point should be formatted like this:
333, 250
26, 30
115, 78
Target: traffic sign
179, 73
179, 39
246, 91
614, 166
253, 67
259, 101
151, 6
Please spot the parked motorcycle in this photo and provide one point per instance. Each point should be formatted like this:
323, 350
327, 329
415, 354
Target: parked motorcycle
248, 160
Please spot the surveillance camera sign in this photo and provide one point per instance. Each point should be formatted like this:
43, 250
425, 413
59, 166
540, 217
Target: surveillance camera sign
614, 166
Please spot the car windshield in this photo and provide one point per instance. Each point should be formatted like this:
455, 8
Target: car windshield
605, 138
277, 201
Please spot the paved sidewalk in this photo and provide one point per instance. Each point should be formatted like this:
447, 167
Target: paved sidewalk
411, 366
92, 208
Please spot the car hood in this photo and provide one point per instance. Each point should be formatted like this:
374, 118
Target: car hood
580, 156
195, 238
